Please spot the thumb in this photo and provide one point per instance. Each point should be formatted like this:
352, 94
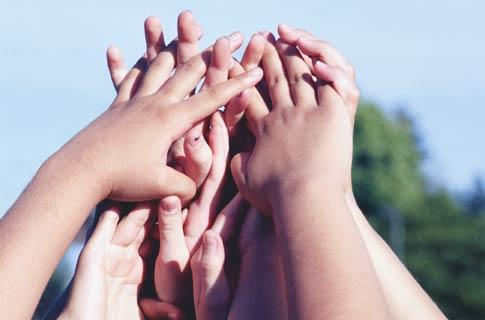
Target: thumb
238, 168
166, 181
211, 290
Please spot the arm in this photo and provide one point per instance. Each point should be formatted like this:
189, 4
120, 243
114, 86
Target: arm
99, 163
410, 300
327, 270
297, 172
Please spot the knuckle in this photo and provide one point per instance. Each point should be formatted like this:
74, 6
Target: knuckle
276, 80
190, 66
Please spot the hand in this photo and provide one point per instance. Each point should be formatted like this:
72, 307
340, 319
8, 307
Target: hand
190, 154
146, 125
109, 271
307, 118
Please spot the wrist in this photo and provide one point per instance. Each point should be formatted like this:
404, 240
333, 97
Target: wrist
314, 188
76, 172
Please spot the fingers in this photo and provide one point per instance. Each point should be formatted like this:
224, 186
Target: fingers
129, 228
173, 256
116, 66
155, 41
342, 83
155, 310
188, 75
159, 71
230, 218
198, 155
105, 229
299, 75
208, 101
188, 36
211, 290
274, 74
314, 48
130, 83
248, 101
219, 145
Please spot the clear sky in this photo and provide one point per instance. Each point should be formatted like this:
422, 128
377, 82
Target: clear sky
428, 56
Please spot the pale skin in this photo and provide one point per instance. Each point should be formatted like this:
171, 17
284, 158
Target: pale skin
99, 163
110, 270
410, 300
171, 278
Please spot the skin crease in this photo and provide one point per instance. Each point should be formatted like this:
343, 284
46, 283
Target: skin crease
77, 177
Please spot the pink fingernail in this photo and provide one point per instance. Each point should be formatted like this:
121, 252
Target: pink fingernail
255, 73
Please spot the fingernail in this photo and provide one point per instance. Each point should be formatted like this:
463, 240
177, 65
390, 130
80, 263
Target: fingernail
320, 64
209, 245
169, 204
235, 37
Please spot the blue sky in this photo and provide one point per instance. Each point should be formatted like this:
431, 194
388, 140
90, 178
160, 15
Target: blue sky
428, 56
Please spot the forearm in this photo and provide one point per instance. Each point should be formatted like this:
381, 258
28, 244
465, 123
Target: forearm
260, 292
324, 257
404, 296
39, 227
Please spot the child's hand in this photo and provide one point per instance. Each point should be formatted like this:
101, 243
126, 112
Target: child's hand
191, 154
110, 270
306, 137
126, 147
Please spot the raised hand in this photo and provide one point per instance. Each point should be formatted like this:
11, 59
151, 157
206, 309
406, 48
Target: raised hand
110, 271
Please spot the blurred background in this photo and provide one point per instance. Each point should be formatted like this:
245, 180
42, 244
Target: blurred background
419, 162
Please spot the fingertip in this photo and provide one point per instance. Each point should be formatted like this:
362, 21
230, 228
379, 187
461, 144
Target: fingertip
170, 204
151, 22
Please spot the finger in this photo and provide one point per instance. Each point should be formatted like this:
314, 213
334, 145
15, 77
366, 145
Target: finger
211, 290
290, 35
208, 101
153, 37
198, 155
239, 168
235, 109
130, 84
103, 233
299, 75
188, 35
158, 182
199, 220
116, 66
220, 60
254, 52
155, 310
274, 74
159, 71
230, 218
130, 226
340, 81
255, 107
189, 74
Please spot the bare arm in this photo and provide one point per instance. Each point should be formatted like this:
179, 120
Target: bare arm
327, 270
404, 296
